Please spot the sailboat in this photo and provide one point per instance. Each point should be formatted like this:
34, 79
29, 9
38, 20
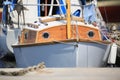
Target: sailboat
61, 33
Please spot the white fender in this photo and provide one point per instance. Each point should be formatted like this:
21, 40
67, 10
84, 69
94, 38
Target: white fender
105, 58
113, 54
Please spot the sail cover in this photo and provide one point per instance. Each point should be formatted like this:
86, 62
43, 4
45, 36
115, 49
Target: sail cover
5, 9
89, 13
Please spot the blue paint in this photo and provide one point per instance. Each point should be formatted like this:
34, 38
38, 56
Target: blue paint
14, 1
77, 13
5, 9
38, 8
13, 4
4, 14
62, 7
4, 31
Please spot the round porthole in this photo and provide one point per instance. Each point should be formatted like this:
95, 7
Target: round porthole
45, 35
91, 34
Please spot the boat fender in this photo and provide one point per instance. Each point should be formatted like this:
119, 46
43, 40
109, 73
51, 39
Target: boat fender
107, 53
113, 54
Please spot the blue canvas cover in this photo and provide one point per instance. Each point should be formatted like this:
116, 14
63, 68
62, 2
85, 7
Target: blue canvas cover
89, 13
38, 1
5, 4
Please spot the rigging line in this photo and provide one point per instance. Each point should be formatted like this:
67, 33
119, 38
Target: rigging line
106, 15
77, 32
105, 36
73, 31
51, 8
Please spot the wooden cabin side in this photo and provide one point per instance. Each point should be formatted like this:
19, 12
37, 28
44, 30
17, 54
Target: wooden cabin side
27, 36
0, 14
58, 33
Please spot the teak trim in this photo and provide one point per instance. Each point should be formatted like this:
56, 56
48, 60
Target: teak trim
61, 41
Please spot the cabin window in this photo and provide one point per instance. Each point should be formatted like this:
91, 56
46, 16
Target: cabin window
29, 36
26, 35
45, 35
44, 10
91, 34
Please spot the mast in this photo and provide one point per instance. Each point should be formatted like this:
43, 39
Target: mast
68, 19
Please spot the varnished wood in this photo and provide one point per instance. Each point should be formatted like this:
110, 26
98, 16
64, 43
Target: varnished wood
31, 36
55, 33
1, 9
83, 33
62, 41
58, 33
37, 35
1, 13
68, 19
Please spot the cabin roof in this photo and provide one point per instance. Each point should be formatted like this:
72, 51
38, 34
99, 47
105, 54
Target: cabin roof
56, 23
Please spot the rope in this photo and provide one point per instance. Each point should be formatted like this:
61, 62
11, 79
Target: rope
106, 15
21, 72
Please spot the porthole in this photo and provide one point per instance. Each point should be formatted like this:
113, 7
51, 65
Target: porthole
45, 35
91, 34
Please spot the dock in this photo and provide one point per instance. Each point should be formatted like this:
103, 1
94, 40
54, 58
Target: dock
67, 74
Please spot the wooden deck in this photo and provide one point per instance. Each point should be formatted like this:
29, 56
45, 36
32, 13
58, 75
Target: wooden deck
68, 74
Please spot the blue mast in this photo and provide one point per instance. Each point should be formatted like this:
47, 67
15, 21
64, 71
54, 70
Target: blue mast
38, 2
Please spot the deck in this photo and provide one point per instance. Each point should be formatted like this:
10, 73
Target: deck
68, 74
